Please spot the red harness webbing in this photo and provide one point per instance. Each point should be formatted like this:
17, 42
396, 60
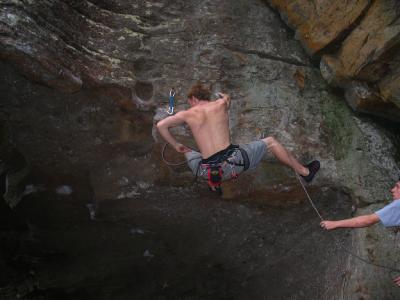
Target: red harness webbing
214, 175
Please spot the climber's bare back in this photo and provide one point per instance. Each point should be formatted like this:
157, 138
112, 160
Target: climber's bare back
209, 123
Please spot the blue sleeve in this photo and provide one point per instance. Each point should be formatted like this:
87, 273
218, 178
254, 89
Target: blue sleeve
390, 214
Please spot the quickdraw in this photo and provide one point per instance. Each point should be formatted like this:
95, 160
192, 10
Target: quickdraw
170, 110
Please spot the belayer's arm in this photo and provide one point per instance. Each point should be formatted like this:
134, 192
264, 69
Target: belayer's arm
357, 222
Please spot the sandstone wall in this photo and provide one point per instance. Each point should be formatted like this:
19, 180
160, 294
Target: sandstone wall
358, 43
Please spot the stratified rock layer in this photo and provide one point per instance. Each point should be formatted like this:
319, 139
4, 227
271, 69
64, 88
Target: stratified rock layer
361, 40
317, 23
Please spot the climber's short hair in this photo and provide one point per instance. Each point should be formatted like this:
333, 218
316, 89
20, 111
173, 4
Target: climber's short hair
200, 91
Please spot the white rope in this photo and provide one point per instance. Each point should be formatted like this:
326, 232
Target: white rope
308, 196
391, 269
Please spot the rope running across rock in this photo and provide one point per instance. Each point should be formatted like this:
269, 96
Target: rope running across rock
391, 269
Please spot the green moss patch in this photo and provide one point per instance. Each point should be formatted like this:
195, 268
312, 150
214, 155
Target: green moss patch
339, 127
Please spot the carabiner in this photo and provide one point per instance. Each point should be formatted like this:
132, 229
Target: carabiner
170, 110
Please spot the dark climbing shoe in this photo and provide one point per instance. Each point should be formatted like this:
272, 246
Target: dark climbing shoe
313, 167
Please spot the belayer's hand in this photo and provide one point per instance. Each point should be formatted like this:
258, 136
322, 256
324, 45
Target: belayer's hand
328, 225
182, 148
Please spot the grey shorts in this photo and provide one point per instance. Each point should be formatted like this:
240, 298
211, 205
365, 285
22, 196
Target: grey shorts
255, 151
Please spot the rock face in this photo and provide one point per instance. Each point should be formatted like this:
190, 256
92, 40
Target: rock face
316, 23
373, 242
83, 83
359, 53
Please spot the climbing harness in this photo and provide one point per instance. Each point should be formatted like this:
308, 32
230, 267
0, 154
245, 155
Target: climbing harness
213, 166
170, 110
391, 269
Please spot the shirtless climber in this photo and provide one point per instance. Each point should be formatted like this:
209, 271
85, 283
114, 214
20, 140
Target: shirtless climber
218, 159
